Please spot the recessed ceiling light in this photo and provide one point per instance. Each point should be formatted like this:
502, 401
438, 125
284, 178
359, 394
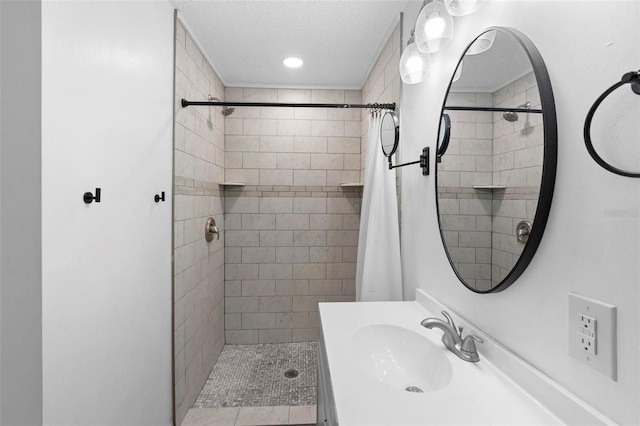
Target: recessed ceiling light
292, 62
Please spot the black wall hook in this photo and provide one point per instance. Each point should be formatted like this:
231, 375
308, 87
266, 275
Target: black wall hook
159, 198
88, 197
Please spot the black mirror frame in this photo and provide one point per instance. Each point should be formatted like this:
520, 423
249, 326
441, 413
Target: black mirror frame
444, 143
549, 164
396, 125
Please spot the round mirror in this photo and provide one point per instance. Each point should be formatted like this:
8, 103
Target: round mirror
389, 133
494, 182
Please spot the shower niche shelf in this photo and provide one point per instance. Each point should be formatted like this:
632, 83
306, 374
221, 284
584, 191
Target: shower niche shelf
231, 183
489, 187
349, 185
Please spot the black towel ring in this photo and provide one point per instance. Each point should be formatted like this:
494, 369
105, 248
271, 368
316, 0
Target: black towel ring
632, 78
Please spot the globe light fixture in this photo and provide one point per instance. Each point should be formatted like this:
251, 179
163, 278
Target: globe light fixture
482, 43
463, 7
414, 64
434, 27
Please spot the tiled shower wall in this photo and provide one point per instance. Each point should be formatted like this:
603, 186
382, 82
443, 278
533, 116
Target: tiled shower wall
198, 265
292, 231
465, 213
485, 149
517, 163
383, 85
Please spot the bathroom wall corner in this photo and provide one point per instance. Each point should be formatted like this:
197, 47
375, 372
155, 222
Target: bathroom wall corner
21, 213
198, 280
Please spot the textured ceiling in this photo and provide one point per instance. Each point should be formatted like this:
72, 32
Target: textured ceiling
246, 41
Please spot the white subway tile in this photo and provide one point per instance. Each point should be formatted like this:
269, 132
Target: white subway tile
240, 304
298, 96
310, 113
269, 336
276, 238
276, 144
259, 95
241, 238
292, 287
275, 304
257, 321
309, 238
309, 144
258, 255
242, 143
275, 271
309, 177
325, 254
281, 113
343, 205
253, 126
293, 161
258, 160
276, 177
292, 320
276, 205
292, 255
292, 221
324, 96
241, 337
307, 303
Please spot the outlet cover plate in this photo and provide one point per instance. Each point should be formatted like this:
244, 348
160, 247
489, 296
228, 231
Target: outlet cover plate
605, 360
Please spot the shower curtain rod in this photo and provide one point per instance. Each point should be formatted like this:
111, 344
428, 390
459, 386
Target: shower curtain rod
492, 109
186, 103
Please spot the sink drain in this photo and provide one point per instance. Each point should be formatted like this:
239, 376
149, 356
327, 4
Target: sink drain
414, 389
291, 373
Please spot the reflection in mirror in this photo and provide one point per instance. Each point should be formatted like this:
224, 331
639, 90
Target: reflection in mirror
491, 176
389, 133
443, 136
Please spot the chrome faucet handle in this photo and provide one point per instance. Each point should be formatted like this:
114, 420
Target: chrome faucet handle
468, 347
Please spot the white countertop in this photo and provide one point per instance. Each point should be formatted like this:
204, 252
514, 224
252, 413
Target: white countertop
477, 394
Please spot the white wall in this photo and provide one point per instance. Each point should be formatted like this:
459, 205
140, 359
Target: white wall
20, 188
587, 46
107, 121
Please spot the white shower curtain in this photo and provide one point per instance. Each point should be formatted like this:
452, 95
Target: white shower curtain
378, 274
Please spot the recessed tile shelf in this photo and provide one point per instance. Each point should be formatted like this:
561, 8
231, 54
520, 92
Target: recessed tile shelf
231, 183
351, 184
489, 187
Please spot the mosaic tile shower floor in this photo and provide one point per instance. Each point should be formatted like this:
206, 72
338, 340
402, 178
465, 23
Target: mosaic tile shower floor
253, 376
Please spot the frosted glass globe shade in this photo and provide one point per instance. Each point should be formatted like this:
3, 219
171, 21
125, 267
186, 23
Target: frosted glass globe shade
434, 27
482, 43
458, 73
414, 65
463, 7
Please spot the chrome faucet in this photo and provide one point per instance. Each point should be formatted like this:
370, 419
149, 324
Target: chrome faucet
465, 348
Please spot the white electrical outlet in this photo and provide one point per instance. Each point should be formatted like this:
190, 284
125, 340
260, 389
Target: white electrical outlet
592, 333
586, 332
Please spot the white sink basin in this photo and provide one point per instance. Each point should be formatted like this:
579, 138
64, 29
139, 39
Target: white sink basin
400, 358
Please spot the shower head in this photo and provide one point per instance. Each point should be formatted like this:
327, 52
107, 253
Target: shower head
226, 110
512, 116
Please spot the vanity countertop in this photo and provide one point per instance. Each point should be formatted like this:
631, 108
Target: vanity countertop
478, 393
